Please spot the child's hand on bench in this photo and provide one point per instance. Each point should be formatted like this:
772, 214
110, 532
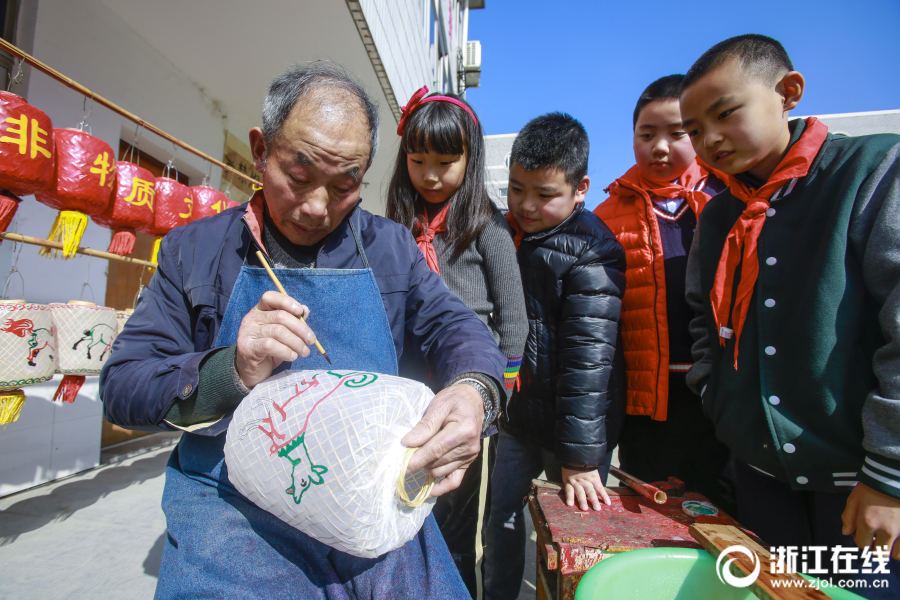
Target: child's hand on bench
586, 487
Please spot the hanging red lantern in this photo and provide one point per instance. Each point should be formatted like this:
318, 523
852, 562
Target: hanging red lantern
131, 207
173, 208
26, 153
209, 201
83, 184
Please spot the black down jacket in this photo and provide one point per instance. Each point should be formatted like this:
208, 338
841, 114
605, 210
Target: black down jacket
571, 398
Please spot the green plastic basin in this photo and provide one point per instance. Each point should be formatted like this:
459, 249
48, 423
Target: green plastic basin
666, 574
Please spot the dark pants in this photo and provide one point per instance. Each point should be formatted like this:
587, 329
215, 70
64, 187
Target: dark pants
781, 516
682, 446
456, 514
518, 462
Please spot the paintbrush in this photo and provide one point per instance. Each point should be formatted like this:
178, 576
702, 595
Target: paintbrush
280, 287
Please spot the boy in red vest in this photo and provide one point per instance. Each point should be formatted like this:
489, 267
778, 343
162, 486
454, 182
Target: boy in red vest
797, 277
652, 209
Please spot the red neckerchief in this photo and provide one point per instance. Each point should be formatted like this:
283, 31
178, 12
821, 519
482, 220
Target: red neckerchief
517, 229
427, 230
694, 177
743, 237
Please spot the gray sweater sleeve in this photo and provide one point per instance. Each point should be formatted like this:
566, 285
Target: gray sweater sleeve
875, 235
504, 281
701, 350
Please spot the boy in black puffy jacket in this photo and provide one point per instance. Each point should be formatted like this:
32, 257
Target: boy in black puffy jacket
566, 414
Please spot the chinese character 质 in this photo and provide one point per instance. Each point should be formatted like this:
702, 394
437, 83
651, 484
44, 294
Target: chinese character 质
142, 192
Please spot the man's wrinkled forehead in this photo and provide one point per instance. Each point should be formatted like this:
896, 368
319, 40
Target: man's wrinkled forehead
329, 127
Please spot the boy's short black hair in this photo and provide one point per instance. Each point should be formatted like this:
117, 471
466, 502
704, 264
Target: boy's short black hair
553, 141
664, 88
758, 55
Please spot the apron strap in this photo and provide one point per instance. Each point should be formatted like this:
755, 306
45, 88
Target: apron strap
359, 246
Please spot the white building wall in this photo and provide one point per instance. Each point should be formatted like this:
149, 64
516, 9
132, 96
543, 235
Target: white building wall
93, 46
399, 30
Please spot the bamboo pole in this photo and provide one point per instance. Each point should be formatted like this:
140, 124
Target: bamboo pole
27, 58
27, 239
644, 489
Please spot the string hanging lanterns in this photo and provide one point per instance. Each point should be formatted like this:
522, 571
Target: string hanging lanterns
26, 153
83, 184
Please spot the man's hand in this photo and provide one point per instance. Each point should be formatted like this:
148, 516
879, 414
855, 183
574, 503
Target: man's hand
270, 334
448, 436
873, 514
584, 486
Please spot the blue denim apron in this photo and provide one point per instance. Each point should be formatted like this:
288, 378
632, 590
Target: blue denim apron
220, 545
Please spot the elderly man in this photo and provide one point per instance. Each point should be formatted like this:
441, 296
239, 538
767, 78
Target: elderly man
206, 331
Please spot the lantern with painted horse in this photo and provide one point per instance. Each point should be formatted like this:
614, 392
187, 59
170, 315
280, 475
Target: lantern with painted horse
173, 208
209, 201
83, 185
122, 317
85, 333
27, 353
27, 153
321, 451
131, 207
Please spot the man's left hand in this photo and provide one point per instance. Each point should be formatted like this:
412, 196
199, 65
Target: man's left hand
448, 436
872, 515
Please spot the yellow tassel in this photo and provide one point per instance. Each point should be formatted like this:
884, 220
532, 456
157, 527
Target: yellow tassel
68, 228
155, 253
10, 406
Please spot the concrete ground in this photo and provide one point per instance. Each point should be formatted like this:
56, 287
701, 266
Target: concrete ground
99, 534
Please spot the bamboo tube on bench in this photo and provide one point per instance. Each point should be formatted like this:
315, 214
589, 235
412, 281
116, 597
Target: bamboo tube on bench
644, 489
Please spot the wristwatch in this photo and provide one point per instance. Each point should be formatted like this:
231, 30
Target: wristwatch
485, 397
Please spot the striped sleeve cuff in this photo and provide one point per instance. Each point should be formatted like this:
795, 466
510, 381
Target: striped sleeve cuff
511, 373
882, 474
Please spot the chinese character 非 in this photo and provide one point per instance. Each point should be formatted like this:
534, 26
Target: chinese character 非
22, 136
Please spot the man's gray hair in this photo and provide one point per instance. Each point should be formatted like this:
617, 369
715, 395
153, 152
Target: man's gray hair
287, 88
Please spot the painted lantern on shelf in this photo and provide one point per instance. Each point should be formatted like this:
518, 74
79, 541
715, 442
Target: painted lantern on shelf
83, 184
28, 353
27, 153
209, 201
131, 207
85, 333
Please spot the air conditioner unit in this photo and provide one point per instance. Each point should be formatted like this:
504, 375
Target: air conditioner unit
473, 63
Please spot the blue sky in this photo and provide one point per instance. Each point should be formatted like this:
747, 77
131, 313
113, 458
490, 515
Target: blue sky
593, 58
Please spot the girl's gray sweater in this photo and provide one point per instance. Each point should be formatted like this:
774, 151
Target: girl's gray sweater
486, 278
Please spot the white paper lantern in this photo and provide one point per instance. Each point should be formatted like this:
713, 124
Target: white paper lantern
85, 333
122, 317
321, 450
27, 353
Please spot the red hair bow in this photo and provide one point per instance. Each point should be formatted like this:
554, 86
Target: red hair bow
419, 98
